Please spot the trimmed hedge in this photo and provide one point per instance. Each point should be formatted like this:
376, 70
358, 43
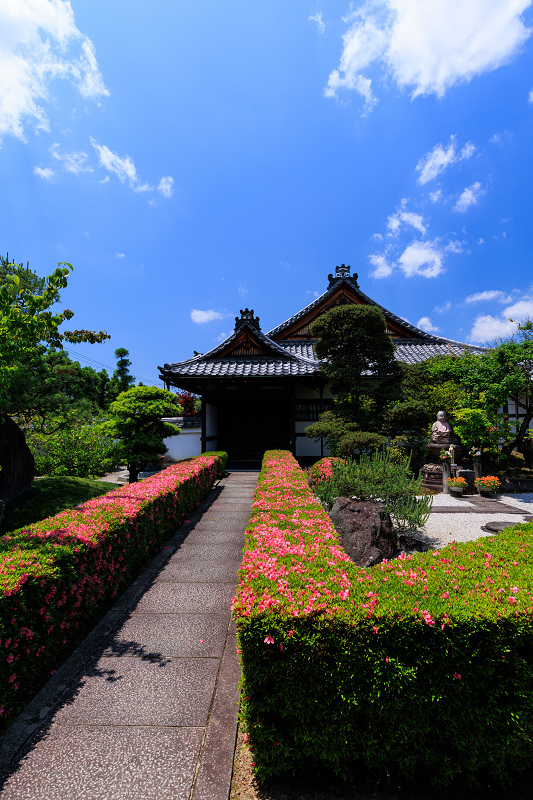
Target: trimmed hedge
421, 666
58, 576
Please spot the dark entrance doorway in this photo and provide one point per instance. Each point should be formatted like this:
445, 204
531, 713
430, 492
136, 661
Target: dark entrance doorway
249, 424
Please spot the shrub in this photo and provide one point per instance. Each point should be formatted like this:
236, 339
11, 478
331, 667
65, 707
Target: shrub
360, 442
422, 666
379, 477
322, 470
221, 460
59, 575
82, 452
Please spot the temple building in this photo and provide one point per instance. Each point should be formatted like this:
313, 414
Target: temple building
261, 390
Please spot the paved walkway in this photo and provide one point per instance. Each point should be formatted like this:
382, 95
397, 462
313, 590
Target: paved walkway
146, 708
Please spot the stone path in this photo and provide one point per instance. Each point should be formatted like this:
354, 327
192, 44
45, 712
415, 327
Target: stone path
146, 708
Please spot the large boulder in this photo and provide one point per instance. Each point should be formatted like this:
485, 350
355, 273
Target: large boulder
365, 530
16, 461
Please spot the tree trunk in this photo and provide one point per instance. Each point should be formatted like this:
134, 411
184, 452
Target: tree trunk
520, 436
17, 464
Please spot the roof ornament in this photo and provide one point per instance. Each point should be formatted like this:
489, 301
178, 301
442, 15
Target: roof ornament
343, 273
247, 316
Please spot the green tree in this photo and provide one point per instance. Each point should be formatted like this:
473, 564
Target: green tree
121, 380
27, 321
358, 357
136, 421
488, 380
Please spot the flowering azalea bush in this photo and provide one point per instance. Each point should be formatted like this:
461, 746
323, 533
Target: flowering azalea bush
419, 666
58, 576
322, 470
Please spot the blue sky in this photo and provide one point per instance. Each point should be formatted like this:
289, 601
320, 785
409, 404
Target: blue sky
191, 159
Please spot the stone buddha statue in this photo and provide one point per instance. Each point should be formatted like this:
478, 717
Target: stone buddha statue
442, 432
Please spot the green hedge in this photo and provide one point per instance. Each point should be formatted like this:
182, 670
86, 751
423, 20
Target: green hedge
58, 576
221, 462
421, 666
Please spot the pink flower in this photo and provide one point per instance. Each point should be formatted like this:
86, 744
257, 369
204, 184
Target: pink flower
457, 676
511, 599
269, 639
445, 596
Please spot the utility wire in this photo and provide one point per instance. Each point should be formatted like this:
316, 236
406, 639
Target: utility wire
106, 366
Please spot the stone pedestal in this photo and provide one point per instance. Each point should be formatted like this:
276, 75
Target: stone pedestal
446, 473
478, 472
432, 477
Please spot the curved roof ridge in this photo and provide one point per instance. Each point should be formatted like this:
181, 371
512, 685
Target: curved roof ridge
368, 300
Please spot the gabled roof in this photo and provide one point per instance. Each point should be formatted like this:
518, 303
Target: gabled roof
287, 350
347, 285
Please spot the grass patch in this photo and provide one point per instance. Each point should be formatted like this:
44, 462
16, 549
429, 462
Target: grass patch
48, 497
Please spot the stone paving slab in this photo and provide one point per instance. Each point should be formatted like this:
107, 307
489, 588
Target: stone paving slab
221, 524
216, 536
200, 571
208, 552
146, 707
99, 763
185, 635
130, 691
215, 772
177, 598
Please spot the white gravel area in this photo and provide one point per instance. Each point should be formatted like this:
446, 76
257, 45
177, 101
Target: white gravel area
442, 528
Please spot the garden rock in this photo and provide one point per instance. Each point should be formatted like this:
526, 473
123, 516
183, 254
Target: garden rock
364, 529
16, 461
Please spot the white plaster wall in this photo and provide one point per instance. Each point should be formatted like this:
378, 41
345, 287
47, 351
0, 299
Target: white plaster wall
186, 445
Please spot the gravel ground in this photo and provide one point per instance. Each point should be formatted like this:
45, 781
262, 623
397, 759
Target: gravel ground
441, 529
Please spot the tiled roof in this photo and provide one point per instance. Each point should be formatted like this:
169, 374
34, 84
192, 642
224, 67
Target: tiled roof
288, 357
368, 300
241, 366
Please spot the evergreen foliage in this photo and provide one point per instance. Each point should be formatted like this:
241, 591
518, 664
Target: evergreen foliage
136, 422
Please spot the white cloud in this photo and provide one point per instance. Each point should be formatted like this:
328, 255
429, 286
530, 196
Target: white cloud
39, 42
123, 168
120, 255
435, 196
438, 159
205, 316
242, 290
382, 269
223, 335
166, 186
427, 47
521, 309
481, 241
74, 162
408, 218
469, 197
421, 258
45, 173
487, 327
425, 324
454, 247
443, 308
530, 96
319, 21
487, 296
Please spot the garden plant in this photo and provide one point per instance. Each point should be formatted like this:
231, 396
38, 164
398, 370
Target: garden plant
381, 477
421, 667
58, 576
